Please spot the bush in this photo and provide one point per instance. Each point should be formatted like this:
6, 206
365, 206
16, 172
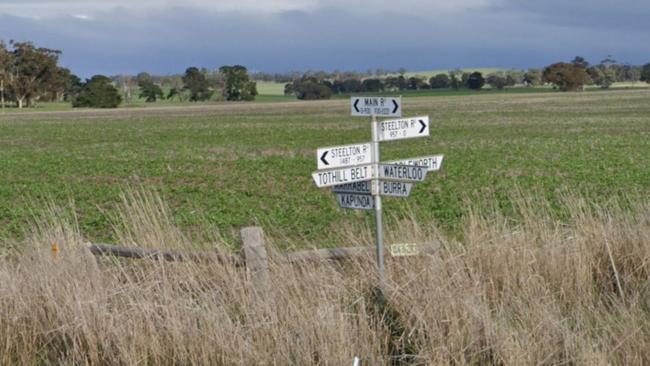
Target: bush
440, 81
98, 92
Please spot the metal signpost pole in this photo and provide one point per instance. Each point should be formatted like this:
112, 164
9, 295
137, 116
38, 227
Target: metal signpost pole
379, 233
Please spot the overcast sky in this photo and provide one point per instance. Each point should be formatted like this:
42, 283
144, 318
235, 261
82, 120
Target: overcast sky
165, 37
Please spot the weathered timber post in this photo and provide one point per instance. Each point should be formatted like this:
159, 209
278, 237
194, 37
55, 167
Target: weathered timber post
257, 265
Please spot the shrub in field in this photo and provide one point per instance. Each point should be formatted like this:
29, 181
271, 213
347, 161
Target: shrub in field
98, 92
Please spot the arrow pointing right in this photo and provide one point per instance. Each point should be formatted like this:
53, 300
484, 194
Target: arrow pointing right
396, 106
424, 125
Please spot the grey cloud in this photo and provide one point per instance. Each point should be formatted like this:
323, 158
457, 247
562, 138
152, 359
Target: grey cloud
170, 39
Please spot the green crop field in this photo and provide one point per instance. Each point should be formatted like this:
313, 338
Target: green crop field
223, 166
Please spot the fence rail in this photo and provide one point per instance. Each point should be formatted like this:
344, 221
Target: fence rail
253, 257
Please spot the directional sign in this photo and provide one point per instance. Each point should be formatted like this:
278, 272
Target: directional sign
432, 163
403, 128
358, 201
386, 188
378, 106
408, 173
328, 178
341, 156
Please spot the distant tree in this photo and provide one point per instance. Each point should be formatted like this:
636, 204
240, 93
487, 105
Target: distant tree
396, 83
73, 87
347, 86
415, 83
475, 81
566, 77
148, 90
30, 70
401, 71
628, 73
195, 82
580, 61
98, 92
497, 81
143, 77
440, 81
645, 73
604, 74
372, 85
5, 63
464, 79
455, 78
532, 77
238, 85
309, 88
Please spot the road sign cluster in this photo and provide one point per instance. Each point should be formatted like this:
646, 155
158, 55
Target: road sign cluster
359, 178
355, 174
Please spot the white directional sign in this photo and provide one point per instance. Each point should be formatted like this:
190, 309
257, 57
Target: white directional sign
403, 128
386, 188
378, 106
404, 249
408, 173
328, 178
432, 163
358, 201
341, 156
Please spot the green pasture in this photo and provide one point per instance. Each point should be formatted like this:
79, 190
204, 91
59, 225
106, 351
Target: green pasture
223, 166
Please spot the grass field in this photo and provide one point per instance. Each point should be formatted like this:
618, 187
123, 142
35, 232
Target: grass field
541, 210
224, 166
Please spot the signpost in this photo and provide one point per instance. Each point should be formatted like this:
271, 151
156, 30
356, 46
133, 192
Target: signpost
432, 163
328, 178
386, 188
341, 156
376, 106
358, 201
405, 173
359, 178
404, 128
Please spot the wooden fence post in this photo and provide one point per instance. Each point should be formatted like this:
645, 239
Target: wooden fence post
257, 265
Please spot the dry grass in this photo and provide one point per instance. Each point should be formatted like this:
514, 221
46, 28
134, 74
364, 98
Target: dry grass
535, 291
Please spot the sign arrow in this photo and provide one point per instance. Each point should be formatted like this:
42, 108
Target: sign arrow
322, 158
356, 103
396, 106
424, 125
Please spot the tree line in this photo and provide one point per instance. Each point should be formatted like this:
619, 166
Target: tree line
30, 74
564, 76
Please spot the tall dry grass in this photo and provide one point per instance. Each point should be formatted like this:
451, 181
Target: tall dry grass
530, 291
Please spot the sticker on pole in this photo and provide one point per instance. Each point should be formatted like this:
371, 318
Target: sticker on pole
328, 178
356, 201
405, 173
342, 156
403, 128
378, 106
404, 249
433, 163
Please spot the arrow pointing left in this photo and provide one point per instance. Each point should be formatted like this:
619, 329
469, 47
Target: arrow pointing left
322, 158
